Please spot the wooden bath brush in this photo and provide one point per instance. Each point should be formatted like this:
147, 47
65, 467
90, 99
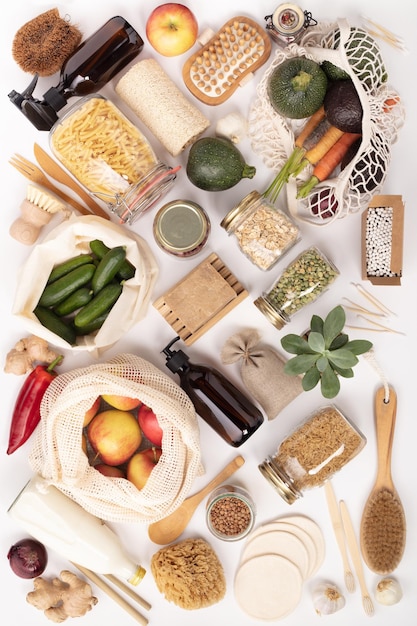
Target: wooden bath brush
383, 527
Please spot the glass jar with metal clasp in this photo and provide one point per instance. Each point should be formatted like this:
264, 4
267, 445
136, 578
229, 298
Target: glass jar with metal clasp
288, 23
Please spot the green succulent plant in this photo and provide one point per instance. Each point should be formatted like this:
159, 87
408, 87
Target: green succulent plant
325, 355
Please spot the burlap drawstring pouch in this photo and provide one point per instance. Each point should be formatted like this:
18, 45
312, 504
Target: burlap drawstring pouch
272, 136
57, 453
69, 239
262, 371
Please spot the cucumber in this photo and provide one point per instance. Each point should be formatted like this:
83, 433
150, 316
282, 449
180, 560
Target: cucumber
67, 266
215, 164
108, 268
50, 320
127, 269
60, 289
93, 326
100, 303
75, 301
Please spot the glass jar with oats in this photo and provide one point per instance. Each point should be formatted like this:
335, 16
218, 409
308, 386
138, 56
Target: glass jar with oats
318, 448
263, 232
110, 157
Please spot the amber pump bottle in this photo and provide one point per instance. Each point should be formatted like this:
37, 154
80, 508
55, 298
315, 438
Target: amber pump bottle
216, 400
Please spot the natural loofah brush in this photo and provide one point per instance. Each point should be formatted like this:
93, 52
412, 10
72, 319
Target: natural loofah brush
37, 209
42, 45
383, 526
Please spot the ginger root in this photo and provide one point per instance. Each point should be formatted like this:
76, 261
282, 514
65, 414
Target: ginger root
59, 598
21, 358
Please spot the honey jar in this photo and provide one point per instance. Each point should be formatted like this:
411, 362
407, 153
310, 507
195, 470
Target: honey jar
111, 157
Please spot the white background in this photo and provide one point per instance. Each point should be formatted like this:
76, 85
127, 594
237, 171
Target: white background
340, 240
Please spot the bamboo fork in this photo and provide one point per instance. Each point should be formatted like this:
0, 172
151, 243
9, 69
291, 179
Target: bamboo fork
339, 534
356, 558
35, 174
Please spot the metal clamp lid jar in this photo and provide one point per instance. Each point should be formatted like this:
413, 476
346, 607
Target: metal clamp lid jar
287, 23
318, 448
110, 157
302, 282
263, 232
181, 228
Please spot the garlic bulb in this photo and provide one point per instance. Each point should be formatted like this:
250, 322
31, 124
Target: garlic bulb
233, 126
388, 591
327, 599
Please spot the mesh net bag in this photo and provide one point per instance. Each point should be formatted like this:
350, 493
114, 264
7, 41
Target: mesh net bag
58, 457
272, 136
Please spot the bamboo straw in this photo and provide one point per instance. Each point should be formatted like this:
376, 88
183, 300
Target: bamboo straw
129, 591
94, 578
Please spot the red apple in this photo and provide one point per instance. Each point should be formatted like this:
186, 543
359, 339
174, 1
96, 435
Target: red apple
122, 403
141, 465
109, 470
114, 435
172, 29
92, 411
149, 425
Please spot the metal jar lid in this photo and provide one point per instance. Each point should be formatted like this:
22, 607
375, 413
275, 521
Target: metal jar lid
232, 219
181, 228
276, 317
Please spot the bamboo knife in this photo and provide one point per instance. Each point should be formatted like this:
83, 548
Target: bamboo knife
53, 169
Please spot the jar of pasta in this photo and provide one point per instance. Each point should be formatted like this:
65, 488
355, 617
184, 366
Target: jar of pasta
312, 453
109, 156
301, 282
263, 232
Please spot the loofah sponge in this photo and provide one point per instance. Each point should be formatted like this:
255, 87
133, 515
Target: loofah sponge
189, 574
42, 45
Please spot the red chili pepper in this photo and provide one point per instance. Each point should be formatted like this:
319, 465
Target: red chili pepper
26, 413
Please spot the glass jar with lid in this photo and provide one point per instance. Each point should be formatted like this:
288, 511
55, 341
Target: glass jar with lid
312, 453
263, 232
110, 156
301, 282
181, 228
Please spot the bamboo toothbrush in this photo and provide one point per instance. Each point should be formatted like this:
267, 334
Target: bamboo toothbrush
37, 209
383, 526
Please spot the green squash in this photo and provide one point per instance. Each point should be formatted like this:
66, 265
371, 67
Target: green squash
215, 164
296, 87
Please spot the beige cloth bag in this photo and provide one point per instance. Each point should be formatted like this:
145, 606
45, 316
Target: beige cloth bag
58, 457
69, 239
272, 135
262, 371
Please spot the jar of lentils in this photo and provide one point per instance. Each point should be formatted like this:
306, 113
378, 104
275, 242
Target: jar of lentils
230, 513
315, 450
263, 232
302, 282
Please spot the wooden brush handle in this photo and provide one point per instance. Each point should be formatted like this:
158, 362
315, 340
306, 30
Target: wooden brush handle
385, 417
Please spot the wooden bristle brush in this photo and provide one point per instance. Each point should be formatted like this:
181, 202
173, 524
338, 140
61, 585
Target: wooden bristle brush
383, 527
37, 210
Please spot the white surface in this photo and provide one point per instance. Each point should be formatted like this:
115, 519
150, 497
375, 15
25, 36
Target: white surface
341, 241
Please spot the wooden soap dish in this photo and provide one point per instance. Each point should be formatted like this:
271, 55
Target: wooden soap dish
227, 60
201, 299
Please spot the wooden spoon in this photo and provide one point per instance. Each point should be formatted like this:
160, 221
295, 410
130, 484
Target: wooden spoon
383, 526
171, 527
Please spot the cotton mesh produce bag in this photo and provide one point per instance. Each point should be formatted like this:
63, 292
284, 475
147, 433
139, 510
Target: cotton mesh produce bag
272, 136
57, 453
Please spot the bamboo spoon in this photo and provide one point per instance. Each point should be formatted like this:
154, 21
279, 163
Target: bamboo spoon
356, 558
383, 520
170, 528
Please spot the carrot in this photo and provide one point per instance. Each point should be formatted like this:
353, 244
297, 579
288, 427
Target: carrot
331, 159
317, 152
308, 134
390, 103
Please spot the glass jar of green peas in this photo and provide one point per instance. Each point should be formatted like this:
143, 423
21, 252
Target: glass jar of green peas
302, 282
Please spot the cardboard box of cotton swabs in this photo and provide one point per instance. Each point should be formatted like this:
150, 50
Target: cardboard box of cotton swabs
382, 240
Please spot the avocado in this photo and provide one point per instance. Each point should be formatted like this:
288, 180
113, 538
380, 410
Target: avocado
343, 106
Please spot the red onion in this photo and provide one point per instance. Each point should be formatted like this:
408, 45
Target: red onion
28, 558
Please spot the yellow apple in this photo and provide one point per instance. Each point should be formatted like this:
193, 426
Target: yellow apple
141, 465
109, 470
114, 436
171, 29
92, 411
121, 402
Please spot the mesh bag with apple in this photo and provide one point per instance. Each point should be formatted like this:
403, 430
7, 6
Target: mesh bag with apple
58, 455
